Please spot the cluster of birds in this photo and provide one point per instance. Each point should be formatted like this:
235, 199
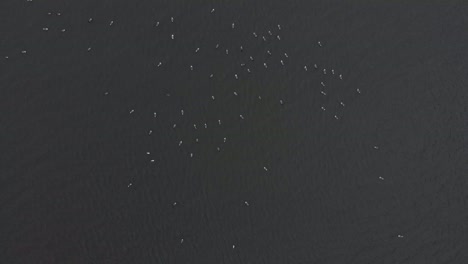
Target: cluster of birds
242, 70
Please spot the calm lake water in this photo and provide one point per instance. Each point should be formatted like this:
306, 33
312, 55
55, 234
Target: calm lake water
118, 146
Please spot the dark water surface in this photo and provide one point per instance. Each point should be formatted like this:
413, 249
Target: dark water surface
380, 179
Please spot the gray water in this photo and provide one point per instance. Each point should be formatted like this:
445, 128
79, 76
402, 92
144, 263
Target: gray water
380, 179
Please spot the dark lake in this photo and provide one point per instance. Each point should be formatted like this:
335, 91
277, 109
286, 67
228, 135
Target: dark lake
239, 131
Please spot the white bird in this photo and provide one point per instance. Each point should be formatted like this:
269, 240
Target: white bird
357, 90
154, 114
180, 143
322, 84
172, 19
323, 108
227, 51
263, 37
248, 70
150, 132
282, 63
278, 37
264, 64
130, 184
381, 178
320, 44
235, 93
219, 121
265, 168
111, 23
131, 111
333, 71
45, 29
212, 10
341, 77
224, 140
279, 27
235, 75
324, 71
305, 68
172, 36
286, 55
157, 24
255, 34
159, 64
269, 32
232, 25
323, 93
242, 117
197, 50
212, 97
246, 203
191, 67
